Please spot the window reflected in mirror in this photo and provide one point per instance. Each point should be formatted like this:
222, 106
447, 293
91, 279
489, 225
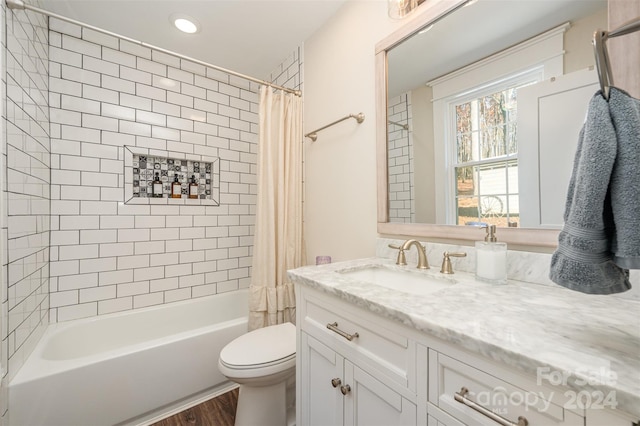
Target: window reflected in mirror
486, 160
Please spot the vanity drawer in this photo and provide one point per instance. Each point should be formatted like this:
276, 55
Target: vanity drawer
472, 395
361, 336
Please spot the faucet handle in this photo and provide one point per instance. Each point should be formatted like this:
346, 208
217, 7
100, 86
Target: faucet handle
446, 262
401, 260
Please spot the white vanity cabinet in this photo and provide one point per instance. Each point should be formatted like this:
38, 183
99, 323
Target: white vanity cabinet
357, 367
359, 373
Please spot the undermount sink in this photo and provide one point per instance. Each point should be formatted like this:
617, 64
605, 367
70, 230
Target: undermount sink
406, 281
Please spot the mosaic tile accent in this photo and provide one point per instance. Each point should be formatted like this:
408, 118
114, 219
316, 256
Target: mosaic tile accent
145, 169
142, 166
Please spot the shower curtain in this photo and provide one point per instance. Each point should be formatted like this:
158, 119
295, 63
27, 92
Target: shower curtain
278, 241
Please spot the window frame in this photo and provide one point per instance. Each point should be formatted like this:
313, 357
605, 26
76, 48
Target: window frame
521, 78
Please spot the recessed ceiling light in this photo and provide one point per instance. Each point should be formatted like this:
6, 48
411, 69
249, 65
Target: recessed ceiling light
185, 23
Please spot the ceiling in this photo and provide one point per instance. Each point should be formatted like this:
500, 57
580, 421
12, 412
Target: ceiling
252, 37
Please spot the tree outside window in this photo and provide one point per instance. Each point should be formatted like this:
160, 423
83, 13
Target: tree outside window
486, 160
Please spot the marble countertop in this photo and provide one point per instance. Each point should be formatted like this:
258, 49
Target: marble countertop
593, 340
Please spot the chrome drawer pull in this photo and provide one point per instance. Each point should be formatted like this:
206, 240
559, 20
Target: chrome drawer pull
461, 397
336, 382
334, 327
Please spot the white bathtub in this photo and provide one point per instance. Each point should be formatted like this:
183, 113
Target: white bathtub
124, 367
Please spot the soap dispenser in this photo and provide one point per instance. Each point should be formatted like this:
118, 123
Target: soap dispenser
176, 187
157, 186
491, 258
193, 187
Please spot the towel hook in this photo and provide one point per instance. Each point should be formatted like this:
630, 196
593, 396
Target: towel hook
605, 76
602, 62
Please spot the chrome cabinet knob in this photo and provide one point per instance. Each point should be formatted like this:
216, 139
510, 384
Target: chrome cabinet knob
345, 389
336, 382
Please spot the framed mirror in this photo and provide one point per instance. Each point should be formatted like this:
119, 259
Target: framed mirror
479, 107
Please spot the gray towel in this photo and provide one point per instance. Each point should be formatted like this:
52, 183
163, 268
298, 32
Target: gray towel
625, 179
584, 260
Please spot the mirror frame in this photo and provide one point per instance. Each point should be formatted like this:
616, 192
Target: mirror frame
424, 15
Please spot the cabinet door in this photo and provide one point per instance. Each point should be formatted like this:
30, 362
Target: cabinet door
370, 402
322, 403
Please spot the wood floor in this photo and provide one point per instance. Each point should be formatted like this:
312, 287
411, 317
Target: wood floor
219, 411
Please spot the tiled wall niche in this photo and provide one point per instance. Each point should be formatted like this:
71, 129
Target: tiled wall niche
141, 166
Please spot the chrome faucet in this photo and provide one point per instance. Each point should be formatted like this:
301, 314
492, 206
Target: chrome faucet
423, 263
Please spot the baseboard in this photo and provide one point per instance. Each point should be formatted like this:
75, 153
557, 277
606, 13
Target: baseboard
181, 405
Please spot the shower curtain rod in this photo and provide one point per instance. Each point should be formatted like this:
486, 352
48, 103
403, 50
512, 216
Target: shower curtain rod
20, 5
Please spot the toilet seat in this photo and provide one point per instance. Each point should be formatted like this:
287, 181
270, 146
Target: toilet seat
262, 352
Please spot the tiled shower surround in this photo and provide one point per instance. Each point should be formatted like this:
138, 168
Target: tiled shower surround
107, 256
72, 99
105, 94
25, 186
66, 178
401, 197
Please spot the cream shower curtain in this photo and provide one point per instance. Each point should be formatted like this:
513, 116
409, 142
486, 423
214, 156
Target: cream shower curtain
278, 241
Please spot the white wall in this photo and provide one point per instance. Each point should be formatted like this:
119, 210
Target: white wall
340, 184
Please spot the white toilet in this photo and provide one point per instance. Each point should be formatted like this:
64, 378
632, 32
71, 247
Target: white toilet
263, 363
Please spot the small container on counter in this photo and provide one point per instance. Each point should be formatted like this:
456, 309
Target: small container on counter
491, 258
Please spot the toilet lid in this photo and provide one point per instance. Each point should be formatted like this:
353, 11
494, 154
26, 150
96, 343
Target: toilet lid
267, 345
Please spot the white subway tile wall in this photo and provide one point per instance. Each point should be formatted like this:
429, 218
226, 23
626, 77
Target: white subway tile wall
290, 72
401, 199
107, 256
62, 213
26, 191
